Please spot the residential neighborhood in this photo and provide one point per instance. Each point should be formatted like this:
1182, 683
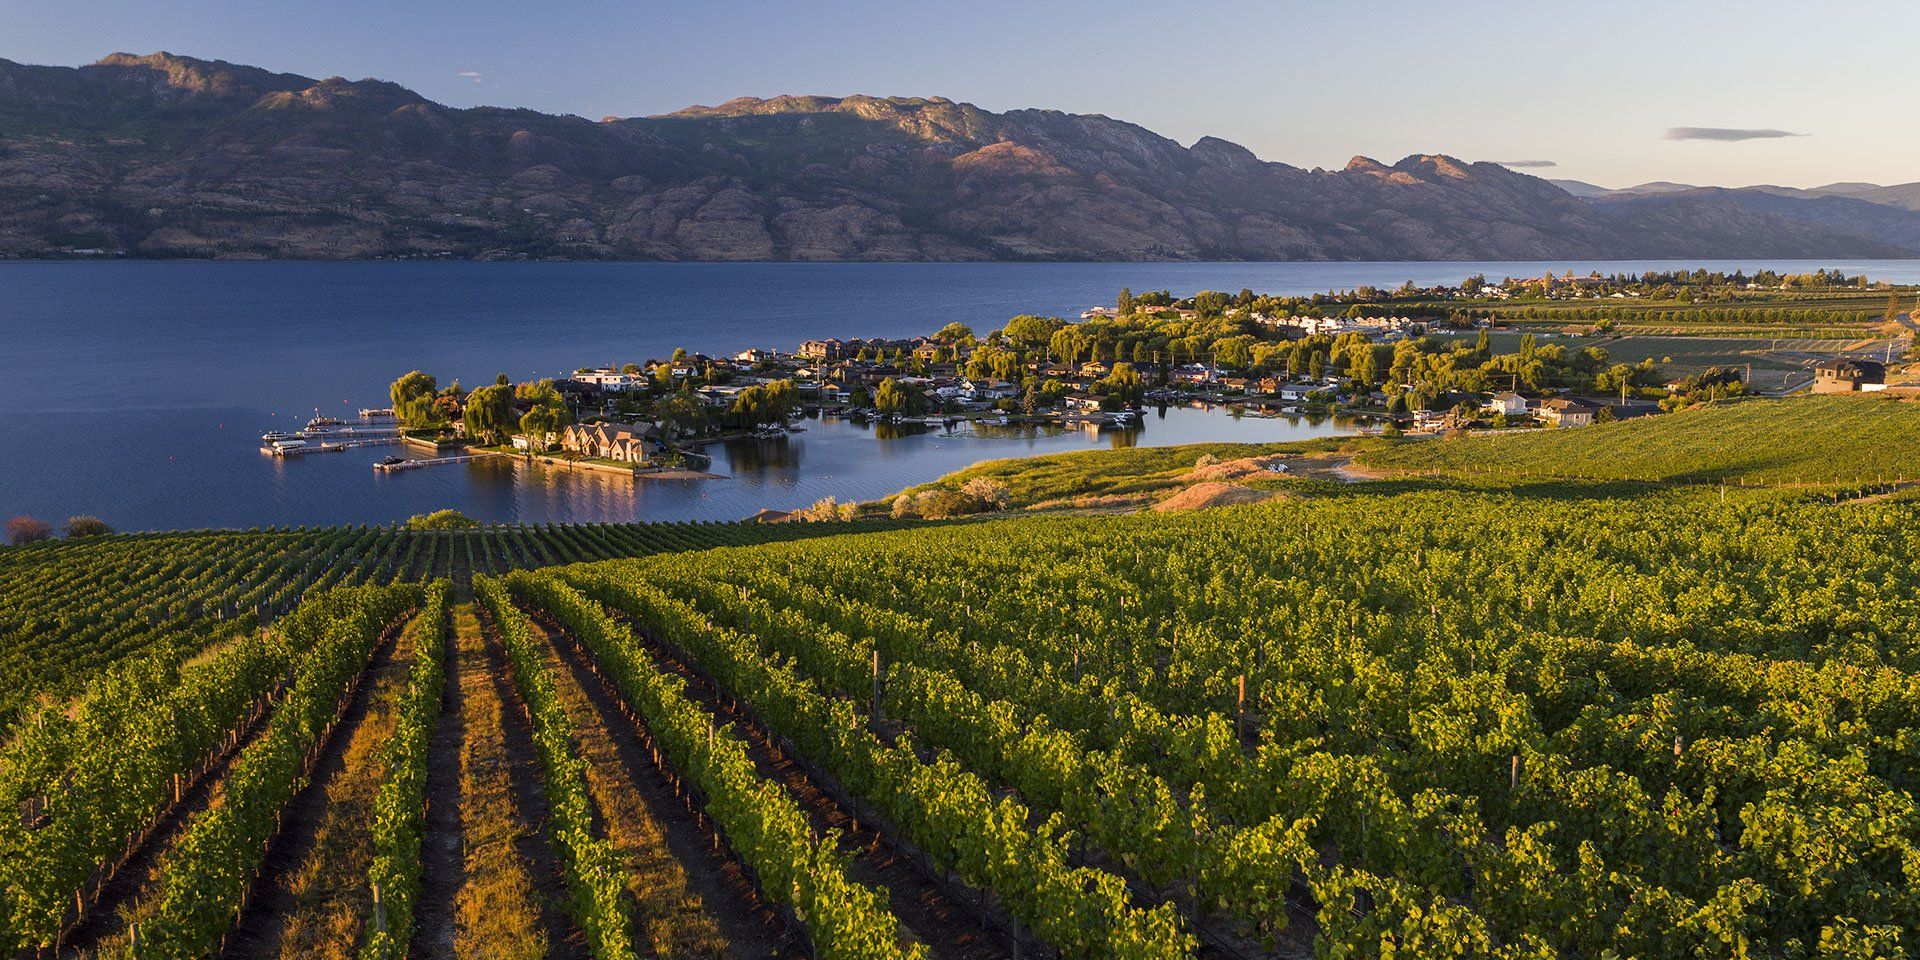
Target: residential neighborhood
1407, 362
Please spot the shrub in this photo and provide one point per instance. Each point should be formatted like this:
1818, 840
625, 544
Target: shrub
441, 520
991, 493
85, 526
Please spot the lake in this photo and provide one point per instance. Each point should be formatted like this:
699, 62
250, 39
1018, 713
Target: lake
137, 391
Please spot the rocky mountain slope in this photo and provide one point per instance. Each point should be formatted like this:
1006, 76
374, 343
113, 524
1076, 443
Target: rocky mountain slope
165, 156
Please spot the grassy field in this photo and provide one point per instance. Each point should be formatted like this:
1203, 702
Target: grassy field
1060, 478
1844, 439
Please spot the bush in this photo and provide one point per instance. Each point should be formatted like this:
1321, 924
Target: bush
85, 526
991, 493
441, 520
25, 529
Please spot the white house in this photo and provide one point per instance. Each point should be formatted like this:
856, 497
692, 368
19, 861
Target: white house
607, 378
1508, 403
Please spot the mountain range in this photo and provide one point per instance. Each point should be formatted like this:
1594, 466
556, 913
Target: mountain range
171, 156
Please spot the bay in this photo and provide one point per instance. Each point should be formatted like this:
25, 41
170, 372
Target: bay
136, 391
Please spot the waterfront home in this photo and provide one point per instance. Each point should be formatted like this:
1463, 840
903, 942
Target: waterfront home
620, 442
987, 391
609, 379
1082, 403
829, 349
1298, 391
1508, 403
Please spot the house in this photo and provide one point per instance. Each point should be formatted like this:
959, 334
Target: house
771, 516
1507, 403
1297, 391
756, 355
621, 442
1082, 402
1843, 375
829, 349
1093, 368
986, 391
1560, 412
609, 379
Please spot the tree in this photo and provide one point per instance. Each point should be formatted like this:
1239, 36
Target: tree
86, 526
893, 400
538, 426
768, 404
1483, 344
412, 396
1361, 367
1124, 305
954, 333
1032, 331
1210, 303
25, 529
488, 415
1123, 384
682, 413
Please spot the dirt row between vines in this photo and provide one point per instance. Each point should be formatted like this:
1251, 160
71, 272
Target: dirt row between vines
951, 929
693, 899
311, 899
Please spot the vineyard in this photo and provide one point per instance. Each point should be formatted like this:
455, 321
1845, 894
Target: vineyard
1459, 714
1840, 439
70, 609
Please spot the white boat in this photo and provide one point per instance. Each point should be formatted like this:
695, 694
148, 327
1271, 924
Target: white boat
294, 444
276, 436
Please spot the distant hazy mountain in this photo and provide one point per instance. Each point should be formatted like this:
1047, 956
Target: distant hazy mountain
1581, 188
171, 156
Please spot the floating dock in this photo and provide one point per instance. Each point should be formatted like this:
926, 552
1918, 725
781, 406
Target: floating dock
326, 446
431, 462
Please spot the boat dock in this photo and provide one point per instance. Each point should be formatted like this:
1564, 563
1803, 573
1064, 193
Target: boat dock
431, 462
327, 446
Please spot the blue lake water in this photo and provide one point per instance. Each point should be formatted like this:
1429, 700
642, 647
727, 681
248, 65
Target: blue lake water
137, 391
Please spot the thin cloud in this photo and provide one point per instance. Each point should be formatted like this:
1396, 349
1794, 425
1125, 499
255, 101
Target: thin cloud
1727, 134
1527, 164
472, 75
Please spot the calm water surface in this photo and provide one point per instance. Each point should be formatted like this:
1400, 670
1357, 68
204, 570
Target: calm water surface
138, 391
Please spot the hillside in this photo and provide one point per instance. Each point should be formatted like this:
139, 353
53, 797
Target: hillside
1856, 444
164, 155
1843, 439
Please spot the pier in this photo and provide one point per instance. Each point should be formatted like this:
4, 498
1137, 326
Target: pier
431, 462
327, 446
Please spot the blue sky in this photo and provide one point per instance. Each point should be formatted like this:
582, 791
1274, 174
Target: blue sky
1594, 88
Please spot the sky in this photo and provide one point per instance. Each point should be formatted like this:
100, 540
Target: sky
1798, 94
